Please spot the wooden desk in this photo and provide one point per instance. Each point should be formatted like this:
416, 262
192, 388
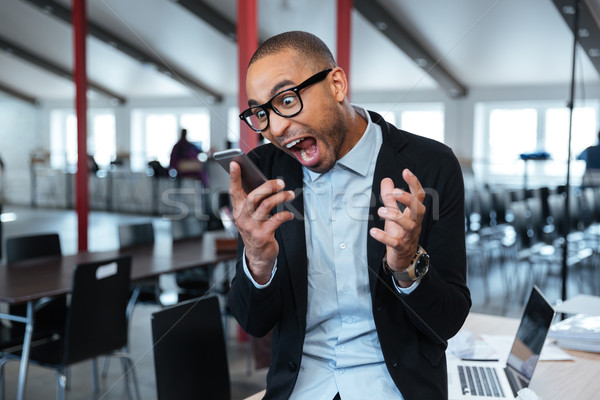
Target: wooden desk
552, 380
31, 280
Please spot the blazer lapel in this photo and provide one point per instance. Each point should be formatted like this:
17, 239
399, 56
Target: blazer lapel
293, 235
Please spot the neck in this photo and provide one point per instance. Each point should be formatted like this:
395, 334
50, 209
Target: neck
356, 126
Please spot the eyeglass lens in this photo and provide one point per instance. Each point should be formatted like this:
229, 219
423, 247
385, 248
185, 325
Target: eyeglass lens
285, 104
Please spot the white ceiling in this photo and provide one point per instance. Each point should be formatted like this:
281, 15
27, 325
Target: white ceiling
481, 42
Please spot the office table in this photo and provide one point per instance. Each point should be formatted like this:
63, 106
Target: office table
552, 380
31, 280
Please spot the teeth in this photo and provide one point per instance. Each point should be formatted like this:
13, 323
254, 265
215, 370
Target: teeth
304, 156
292, 144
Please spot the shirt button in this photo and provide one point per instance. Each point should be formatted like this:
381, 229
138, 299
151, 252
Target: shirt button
346, 288
343, 348
341, 371
349, 320
342, 245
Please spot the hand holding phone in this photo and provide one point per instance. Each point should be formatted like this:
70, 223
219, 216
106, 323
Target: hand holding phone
253, 213
252, 177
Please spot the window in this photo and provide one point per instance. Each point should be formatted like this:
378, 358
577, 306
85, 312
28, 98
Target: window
154, 132
423, 119
556, 142
508, 130
512, 132
233, 126
101, 140
425, 123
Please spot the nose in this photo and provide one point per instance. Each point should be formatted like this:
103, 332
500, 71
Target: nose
277, 124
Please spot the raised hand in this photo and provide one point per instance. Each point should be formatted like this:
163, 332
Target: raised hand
251, 214
402, 227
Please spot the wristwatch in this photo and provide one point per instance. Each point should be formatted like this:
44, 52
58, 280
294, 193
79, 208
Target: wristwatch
418, 267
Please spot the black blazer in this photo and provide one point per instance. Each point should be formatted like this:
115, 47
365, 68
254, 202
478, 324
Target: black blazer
412, 329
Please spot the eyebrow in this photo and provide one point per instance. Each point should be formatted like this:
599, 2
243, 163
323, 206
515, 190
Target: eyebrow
276, 89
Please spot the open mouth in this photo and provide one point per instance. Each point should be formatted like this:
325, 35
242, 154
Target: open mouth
305, 150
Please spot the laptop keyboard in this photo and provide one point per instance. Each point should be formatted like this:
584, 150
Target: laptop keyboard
480, 381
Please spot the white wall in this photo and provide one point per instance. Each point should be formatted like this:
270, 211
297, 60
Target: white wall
20, 133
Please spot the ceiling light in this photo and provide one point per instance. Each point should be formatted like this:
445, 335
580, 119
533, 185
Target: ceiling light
595, 52
584, 33
569, 10
382, 26
421, 62
8, 217
454, 92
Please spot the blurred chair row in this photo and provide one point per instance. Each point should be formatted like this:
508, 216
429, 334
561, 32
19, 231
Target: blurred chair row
191, 357
74, 328
523, 231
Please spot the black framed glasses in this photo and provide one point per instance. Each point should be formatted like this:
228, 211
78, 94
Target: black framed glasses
286, 103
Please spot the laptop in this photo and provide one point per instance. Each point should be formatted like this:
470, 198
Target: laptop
476, 380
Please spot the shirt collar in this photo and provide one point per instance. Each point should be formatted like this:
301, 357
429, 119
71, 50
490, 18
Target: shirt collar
359, 158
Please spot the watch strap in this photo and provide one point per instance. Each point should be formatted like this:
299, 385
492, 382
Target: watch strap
407, 274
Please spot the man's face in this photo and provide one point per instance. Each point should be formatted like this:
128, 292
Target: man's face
315, 136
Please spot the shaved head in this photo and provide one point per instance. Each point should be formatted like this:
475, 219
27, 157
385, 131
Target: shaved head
305, 44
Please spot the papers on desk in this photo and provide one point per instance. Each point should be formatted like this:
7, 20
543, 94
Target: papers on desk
580, 304
579, 332
496, 347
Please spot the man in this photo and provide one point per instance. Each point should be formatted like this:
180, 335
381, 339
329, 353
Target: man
324, 262
591, 156
184, 159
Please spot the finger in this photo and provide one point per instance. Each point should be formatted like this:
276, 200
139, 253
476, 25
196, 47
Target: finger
394, 241
276, 220
414, 208
387, 187
403, 225
413, 184
265, 207
235, 185
258, 195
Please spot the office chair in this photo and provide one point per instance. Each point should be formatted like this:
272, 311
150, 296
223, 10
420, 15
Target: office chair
190, 356
96, 323
133, 235
194, 282
50, 313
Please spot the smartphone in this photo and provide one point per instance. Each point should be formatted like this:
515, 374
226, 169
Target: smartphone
252, 177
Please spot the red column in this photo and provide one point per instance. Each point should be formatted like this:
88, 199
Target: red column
344, 32
247, 39
81, 180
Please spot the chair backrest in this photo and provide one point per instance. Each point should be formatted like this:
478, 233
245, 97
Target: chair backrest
32, 246
136, 234
522, 222
97, 321
188, 227
190, 356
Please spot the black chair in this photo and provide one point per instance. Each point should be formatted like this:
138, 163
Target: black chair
194, 282
49, 313
96, 323
190, 356
141, 234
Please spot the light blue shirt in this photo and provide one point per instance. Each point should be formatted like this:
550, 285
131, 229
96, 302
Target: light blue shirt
341, 350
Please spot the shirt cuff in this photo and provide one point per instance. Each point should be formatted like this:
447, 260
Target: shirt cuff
407, 290
247, 272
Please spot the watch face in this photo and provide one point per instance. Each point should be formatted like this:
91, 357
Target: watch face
422, 265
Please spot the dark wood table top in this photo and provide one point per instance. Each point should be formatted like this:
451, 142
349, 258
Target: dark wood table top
52, 276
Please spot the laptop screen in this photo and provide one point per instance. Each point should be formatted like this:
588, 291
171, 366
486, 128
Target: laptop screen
531, 335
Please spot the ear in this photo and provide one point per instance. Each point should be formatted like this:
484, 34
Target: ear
339, 84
